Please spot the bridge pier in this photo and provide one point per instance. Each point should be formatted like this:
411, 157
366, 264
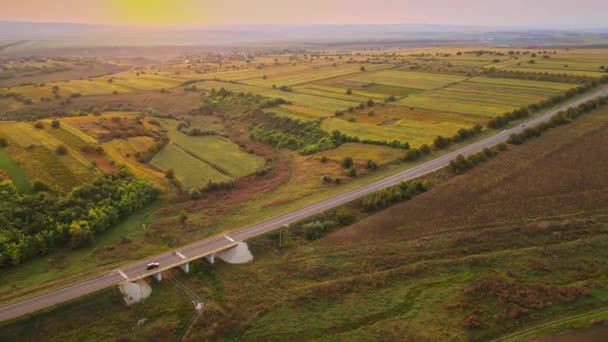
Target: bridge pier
158, 276
185, 267
211, 258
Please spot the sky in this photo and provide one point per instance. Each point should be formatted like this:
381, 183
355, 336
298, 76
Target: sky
507, 13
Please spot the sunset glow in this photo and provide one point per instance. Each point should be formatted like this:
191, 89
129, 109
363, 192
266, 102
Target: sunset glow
582, 13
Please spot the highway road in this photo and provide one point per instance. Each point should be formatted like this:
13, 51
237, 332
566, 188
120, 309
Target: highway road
215, 244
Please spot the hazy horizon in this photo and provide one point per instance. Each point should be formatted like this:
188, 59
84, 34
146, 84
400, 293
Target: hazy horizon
545, 14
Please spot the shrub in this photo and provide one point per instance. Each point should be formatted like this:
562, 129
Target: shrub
55, 123
3, 142
371, 165
61, 150
347, 162
39, 125
170, 174
344, 216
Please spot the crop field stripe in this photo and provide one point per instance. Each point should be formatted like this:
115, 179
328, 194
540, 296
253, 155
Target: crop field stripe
14, 171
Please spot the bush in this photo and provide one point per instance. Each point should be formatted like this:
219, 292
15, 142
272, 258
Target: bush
371, 165
55, 123
61, 150
347, 162
344, 216
40, 186
394, 194
170, 174
3, 142
39, 125
352, 172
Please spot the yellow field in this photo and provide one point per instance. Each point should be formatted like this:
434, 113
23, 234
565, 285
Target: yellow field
34, 151
361, 153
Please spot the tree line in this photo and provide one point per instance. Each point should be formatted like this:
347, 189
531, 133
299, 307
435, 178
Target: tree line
34, 223
462, 164
537, 76
558, 119
505, 119
442, 142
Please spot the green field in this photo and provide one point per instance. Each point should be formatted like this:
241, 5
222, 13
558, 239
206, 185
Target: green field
121, 82
16, 174
34, 151
407, 79
415, 133
362, 153
189, 170
218, 152
325, 105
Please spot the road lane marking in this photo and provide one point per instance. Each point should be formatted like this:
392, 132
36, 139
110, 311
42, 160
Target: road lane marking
229, 238
180, 255
122, 274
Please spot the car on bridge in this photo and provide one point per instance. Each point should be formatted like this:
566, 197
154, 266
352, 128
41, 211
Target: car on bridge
152, 265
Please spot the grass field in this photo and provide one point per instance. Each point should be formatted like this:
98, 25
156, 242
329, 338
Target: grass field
318, 104
486, 97
14, 172
519, 240
123, 153
126, 82
218, 152
407, 79
191, 171
362, 153
415, 133
34, 151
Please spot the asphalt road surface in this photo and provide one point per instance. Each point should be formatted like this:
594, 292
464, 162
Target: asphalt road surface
211, 245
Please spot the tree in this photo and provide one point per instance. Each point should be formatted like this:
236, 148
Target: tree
40, 186
61, 150
371, 165
3, 142
362, 68
39, 125
80, 233
441, 142
347, 162
352, 172
170, 174
183, 217
55, 123
349, 91
344, 216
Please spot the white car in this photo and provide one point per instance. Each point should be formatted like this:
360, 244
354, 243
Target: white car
152, 265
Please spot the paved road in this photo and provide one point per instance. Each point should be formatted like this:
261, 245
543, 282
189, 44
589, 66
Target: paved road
211, 245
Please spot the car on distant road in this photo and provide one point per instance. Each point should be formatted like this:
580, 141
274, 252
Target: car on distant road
152, 265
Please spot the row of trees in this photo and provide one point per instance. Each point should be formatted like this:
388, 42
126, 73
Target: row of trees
537, 76
283, 132
34, 223
503, 120
559, 119
461, 164
394, 194
442, 142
